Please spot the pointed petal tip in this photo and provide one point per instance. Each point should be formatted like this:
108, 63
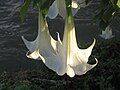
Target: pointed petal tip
58, 37
93, 44
33, 55
94, 41
24, 40
92, 66
96, 61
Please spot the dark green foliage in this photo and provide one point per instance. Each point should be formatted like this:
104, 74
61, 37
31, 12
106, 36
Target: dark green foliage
24, 9
107, 10
43, 4
105, 76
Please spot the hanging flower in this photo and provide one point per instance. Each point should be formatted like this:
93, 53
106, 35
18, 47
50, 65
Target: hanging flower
43, 44
61, 57
107, 34
73, 60
45, 47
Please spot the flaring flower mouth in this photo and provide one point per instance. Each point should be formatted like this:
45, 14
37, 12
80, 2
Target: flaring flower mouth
60, 56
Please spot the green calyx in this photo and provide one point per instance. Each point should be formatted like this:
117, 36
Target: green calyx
69, 15
68, 7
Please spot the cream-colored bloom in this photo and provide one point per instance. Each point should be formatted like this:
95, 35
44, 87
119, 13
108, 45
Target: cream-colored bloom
75, 59
45, 48
61, 57
43, 44
107, 34
59, 7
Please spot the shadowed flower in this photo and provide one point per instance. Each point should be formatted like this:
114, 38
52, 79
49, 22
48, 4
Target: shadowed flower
59, 7
107, 34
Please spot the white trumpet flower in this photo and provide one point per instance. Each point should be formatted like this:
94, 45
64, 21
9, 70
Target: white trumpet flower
44, 47
44, 43
107, 34
75, 59
61, 57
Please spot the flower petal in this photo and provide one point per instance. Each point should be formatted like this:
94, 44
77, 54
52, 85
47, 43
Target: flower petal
53, 10
82, 68
85, 53
43, 44
33, 55
75, 7
56, 63
70, 71
107, 34
74, 4
61, 7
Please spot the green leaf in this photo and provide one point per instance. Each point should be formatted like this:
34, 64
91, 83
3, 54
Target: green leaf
35, 2
44, 6
24, 9
118, 3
